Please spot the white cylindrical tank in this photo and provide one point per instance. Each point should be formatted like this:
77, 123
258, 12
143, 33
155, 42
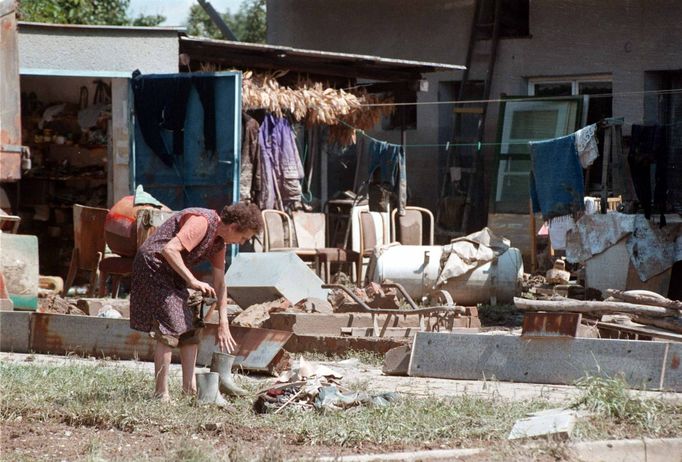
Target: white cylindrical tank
417, 269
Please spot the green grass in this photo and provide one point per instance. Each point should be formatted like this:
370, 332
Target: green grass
617, 412
109, 396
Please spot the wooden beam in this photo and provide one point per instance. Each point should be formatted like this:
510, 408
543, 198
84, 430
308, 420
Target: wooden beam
580, 306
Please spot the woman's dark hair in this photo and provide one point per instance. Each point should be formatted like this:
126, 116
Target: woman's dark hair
246, 216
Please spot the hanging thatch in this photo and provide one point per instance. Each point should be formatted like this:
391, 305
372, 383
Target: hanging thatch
311, 103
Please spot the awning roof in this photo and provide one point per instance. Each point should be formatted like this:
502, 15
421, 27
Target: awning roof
244, 55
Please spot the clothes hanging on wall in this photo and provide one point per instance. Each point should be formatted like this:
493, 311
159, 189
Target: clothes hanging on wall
556, 177
281, 164
205, 86
647, 147
250, 172
161, 104
389, 160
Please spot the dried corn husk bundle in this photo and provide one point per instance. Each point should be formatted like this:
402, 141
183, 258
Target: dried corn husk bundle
313, 103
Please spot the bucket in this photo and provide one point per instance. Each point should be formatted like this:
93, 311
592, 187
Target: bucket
417, 267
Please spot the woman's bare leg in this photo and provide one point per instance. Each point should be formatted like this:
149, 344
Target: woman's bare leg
162, 360
188, 359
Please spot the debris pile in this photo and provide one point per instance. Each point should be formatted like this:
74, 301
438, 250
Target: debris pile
307, 387
55, 304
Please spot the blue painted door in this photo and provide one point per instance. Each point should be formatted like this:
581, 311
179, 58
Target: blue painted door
197, 178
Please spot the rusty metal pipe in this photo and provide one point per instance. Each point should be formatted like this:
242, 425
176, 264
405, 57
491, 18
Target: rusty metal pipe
415, 309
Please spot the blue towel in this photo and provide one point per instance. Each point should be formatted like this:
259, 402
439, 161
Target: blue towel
556, 178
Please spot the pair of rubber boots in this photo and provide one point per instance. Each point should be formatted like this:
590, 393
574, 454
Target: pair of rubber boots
211, 385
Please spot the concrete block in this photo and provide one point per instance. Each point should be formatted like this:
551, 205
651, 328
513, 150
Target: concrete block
663, 450
14, 331
610, 451
262, 277
397, 360
672, 370
548, 423
544, 360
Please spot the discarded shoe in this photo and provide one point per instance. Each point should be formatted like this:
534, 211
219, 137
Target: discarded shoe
208, 389
222, 364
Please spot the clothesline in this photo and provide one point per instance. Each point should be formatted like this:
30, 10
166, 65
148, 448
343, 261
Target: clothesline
447, 145
450, 144
674, 91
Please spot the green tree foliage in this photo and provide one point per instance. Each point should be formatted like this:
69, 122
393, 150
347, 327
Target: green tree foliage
97, 12
248, 23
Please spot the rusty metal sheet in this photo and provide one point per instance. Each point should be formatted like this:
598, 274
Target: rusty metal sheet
260, 350
100, 337
10, 112
540, 324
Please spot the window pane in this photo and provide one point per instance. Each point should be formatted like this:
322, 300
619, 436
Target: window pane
553, 89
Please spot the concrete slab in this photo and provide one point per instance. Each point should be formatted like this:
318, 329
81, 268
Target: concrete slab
397, 360
546, 360
14, 329
263, 277
550, 423
672, 371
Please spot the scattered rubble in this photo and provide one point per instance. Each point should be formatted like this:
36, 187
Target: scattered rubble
307, 387
57, 305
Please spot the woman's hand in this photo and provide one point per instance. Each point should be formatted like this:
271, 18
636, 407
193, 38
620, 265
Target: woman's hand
205, 288
223, 338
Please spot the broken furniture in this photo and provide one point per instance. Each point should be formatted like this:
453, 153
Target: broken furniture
278, 236
88, 246
310, 233
117, 267
408, 229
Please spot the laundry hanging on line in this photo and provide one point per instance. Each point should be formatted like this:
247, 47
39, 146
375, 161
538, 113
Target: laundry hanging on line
556, 177
389, 159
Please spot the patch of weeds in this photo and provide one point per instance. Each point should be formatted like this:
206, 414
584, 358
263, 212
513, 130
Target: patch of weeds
618, 412
422, 421
500, 315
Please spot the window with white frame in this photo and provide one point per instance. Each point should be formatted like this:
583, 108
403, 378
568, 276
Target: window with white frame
598, 88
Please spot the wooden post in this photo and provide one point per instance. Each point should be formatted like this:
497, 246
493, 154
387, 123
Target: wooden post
533, 239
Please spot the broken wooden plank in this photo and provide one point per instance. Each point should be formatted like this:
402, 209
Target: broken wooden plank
640, 330
589, 306
538, 360
669, 324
